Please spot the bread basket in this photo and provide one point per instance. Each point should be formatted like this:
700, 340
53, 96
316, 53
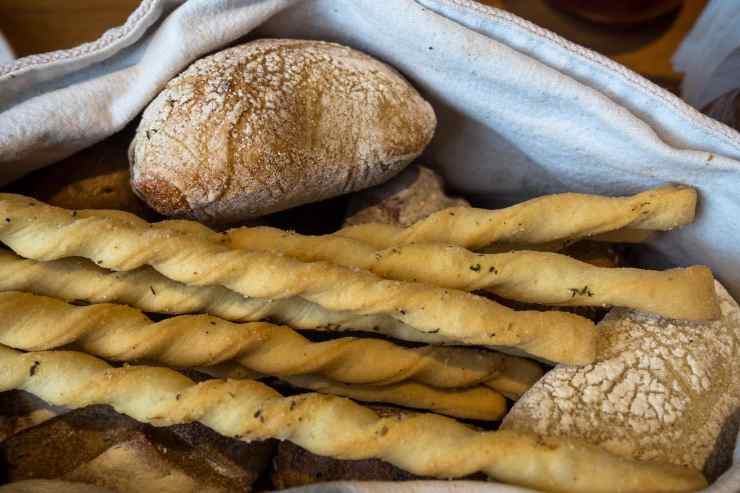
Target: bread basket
521, 111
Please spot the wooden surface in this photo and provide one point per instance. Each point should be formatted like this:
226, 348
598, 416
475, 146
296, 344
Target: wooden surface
34, 26
37, 26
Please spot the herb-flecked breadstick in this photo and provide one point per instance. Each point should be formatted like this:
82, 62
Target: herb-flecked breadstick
31, 322
540, 220
42, 232
144, 288
423, 444
528, 276
476, 402
469, 403
74, 279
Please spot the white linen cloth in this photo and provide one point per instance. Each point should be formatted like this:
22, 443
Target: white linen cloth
521, 111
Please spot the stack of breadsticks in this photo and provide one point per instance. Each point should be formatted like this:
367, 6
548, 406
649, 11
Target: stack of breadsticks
82, 280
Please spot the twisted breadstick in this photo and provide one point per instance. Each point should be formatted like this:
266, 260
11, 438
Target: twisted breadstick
38, 231
122, 333
79, 279
423, 444
540, 220
470, 403
528, 276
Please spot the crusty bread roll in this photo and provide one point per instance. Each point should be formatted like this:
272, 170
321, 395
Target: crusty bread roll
272, 124
660, 389
410, 197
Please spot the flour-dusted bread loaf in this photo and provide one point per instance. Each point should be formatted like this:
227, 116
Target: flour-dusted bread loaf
272, 124
660, 389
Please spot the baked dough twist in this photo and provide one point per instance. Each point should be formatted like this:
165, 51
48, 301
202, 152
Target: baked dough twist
470, 403
528, 276
78, 279
423, 444
144, 288
476, 402
42, 232
31, 322
540, 220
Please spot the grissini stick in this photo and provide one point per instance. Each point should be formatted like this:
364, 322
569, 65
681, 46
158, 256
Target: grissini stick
118, 332
79, 279
423, 444
42, 232
540, 220
144, 288
476, 402
527, 276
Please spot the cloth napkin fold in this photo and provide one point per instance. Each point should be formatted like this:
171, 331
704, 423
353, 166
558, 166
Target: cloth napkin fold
521, 111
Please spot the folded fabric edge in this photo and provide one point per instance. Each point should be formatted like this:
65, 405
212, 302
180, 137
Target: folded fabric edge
110, 42
690, 114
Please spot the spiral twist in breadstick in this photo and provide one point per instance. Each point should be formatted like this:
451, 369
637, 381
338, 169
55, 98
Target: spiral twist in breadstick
79, 279
423, 444
540, 220
477, 402
42, 232
32, 322
528, 276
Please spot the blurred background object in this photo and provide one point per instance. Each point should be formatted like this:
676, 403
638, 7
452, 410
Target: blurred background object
624, 12
643, 35
36, 26
709, 59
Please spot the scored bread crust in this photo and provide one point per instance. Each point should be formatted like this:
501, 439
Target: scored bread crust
42, 232
660, 389
423, 444
541, 220
124, 333
272, 124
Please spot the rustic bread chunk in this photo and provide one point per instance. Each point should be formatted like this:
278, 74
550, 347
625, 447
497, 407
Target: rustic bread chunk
407, 198
663, 390
272, 124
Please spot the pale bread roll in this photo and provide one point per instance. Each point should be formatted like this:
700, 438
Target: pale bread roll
660, 390
409, 197
272, 124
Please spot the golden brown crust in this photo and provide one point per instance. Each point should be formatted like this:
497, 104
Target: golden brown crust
272, 124
168, 199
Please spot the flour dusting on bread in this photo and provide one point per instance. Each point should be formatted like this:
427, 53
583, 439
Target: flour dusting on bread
273, 124
661, 389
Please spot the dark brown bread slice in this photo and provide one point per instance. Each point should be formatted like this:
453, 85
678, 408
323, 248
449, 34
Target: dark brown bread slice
294, 466
77, 445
